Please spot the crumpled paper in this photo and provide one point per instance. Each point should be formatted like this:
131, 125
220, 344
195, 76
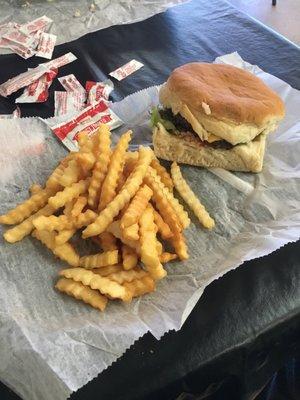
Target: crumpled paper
73, 19
50, 344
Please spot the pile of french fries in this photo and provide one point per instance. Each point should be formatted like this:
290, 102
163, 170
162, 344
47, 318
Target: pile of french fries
121, 200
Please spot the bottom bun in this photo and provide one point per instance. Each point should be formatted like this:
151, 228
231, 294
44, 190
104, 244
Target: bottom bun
243, 157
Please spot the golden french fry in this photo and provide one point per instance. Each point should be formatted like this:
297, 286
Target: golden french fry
163, 173
53, 223
18, 232
178, 208
82, 292
109, 186
138, 287
35, 188
53, 180
128, 191
166, 257
159, 247
121, 182
115, 229
71, 174
25, 209
107, 241
163, 205
179, 245
129, 257
99, 260
64, 236
109, 269
104, 285
131, 232
190, 198
127, 276
101, 165
163, 227
68, 194
79, 205
85, 156
68, 207
149, 253
65, 252
84, 219
136, 206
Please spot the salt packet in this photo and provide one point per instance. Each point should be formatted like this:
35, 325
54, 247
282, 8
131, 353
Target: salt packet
71, 84
126, 70
68, 102
98, 90
26, 78
46, 45
38, 91
88, 120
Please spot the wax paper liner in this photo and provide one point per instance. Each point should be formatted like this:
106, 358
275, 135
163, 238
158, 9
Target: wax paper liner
67, 27
51, 344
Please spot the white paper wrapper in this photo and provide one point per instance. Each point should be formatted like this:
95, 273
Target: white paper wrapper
51, 344
73, 19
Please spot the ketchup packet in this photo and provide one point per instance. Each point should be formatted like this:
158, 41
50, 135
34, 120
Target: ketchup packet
87, 120
98, 90
30, 76
126, 70
71, 84
38, 24
38, 91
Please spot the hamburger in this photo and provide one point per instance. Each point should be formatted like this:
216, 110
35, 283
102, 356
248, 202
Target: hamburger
215, 115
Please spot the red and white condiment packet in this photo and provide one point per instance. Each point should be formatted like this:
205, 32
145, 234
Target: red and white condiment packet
15, 114
68, 102
38, 91
39, 24
98, 90
46, 45
126, 70
87, 120
71, 84
26, 78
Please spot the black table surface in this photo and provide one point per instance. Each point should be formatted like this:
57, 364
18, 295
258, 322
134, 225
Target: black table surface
247, 323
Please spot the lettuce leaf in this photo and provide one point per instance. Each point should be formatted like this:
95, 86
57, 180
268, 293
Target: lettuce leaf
156, 118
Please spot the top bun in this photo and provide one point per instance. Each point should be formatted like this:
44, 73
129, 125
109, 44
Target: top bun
227, 101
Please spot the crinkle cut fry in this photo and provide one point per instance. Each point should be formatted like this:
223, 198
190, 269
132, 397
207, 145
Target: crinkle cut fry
129, 257
139, 287
163, 173
82, 292
64, 252
178, 208
136, 207
78, 206
163, 205
53, 223
109, 186
127, 276
131, 232
101, 165
99, 260
23, 229
167, 257
53, 180
104, 285
109, 269
129, 189
107, 241
71, 173
69, 193
149, 253
25, 209
64, 236
115, 229
190, 198
163, 227
35, 188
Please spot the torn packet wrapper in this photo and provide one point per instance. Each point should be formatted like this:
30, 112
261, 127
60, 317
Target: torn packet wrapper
126, 70
98, 90
26, 78
88, 121
38, 91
